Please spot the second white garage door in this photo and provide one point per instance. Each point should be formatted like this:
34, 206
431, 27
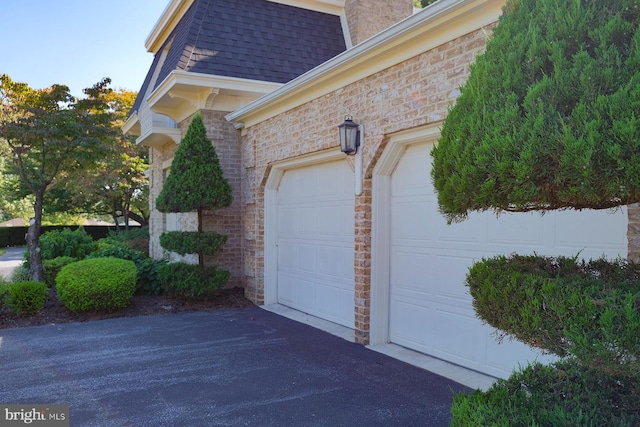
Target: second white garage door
315, 244
430, 309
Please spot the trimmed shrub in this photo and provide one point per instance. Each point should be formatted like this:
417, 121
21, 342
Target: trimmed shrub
77, 244
53, 266
26, 297
192, 242
190, 282
147, 279
590, 310
20, 274
99, 284
561, 394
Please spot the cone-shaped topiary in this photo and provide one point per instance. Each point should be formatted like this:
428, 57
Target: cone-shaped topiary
196, 180
550, 115
195, 183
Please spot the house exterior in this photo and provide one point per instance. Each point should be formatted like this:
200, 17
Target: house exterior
363, 247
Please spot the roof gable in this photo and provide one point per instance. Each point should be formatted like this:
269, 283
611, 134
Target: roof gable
250, 39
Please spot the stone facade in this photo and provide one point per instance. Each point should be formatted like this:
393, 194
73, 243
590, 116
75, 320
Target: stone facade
413, 93
227, 221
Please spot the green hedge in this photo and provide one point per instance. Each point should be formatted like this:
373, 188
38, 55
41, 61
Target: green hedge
99, 284
190, 282
53, 266
192, 242
26, 297
590, 310
564, 394
14, 236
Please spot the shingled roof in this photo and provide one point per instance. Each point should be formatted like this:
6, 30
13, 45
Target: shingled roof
251, 39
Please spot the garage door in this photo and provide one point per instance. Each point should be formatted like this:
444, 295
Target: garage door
430, 308
316, 241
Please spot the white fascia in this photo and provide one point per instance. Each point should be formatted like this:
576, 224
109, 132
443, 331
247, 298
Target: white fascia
169, 19
332, 7
435, 25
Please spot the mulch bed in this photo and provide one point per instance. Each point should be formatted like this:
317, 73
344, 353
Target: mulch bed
141, 305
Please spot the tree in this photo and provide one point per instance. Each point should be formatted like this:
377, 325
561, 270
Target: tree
50, 133
422, 3
549, 118
195, 183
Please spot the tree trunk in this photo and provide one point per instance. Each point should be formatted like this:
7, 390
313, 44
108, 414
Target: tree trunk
138, 218
36, 271
200, 256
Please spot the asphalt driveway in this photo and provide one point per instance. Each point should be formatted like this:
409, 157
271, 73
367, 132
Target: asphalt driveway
237, 367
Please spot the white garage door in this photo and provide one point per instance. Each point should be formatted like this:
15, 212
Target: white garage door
316, 241
430, 308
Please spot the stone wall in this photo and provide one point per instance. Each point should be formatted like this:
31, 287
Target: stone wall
416, 92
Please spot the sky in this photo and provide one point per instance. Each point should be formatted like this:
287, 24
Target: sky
77, 42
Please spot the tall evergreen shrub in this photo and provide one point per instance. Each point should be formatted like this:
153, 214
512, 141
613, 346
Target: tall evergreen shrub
195, 183
550, 119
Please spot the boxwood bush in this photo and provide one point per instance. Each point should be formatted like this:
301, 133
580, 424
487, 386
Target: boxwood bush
590, 310
192, 242
98, 284
147, 280
53, 266
190, 282
564, 394
26, 297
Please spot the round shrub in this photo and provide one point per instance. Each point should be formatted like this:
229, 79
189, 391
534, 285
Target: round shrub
190, 282
147, 280
26, 297
56, 243
562, 394
192, 242
590, 310
53, 266
98, 284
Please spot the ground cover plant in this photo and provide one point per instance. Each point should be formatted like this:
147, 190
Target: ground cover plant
548, 119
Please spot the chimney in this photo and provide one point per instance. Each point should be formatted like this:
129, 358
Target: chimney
366, 18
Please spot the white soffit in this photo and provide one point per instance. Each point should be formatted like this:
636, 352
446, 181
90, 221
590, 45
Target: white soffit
182, 93
435, 25
333, 7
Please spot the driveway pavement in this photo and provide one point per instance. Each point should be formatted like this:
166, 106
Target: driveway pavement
10, 260
236, 367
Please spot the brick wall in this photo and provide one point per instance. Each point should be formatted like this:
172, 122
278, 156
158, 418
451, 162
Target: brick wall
366, 18
410, 94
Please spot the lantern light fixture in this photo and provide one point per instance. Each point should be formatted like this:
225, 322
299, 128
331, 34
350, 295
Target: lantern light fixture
349, 136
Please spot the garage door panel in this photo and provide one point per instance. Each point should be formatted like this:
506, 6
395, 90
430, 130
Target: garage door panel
307, 258
430, 309
604, 235
315, 243
335, 262
287, 221
448, 346
524, 229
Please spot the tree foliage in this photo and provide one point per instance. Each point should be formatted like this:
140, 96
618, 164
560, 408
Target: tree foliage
50, 134
196, 180
550, 115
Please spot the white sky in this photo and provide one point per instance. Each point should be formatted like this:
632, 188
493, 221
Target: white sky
77, 42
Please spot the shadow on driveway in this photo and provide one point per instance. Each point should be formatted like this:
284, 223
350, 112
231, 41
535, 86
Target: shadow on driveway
237, 367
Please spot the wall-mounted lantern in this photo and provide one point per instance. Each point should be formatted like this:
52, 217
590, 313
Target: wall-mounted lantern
352, 138
349, 136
